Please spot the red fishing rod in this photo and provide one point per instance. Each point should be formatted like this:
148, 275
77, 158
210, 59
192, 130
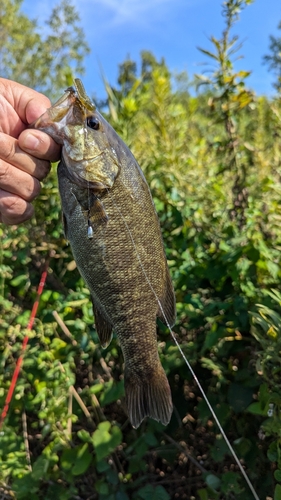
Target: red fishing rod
24, 344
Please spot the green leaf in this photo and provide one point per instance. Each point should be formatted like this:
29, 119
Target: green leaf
150, 439
219, 449
203, 494
112, 477
273, 268
84, 436
40, 467
136, 464
256, 409
277, 475
121, 495
277, 492
96, 388
239, 397
213, 481
272, 452
242, 445
141, 447
106, 439
102, 466
77, 459
149, 492
83, 460
102, 487
18, 280
230, 483
212, 339
76, 303
112, 392
68, 458
208, 53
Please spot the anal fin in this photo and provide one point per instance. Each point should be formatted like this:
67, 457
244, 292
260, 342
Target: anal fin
103, 327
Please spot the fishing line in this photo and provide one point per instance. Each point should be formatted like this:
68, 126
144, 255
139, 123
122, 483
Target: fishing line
244, 474
81, 93
90, 227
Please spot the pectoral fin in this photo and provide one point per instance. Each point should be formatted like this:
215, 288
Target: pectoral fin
103, 327
92, 207
97, 211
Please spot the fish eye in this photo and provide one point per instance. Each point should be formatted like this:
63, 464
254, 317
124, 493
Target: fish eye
93, 123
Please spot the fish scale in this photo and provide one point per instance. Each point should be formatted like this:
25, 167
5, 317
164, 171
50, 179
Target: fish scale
123, 262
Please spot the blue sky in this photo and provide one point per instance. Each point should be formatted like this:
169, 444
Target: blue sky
173, 29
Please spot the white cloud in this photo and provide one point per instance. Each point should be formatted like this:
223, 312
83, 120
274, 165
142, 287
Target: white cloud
104, 14
137, 11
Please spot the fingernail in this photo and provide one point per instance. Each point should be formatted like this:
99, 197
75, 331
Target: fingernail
31, 142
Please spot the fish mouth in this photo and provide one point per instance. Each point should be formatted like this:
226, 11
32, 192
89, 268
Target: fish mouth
53, 120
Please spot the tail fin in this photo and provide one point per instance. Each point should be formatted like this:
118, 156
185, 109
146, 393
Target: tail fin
148, 395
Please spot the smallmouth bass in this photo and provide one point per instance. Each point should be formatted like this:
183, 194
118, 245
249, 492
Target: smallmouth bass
115, 237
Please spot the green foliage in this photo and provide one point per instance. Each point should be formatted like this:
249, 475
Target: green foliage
41, 59
273, 60
213, 164
106, 439
266, 328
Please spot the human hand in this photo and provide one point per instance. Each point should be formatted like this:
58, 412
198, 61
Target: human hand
25, 155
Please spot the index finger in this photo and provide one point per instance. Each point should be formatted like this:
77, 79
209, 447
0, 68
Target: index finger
28, 103
39, 145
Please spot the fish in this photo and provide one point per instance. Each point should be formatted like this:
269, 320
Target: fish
114, 233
